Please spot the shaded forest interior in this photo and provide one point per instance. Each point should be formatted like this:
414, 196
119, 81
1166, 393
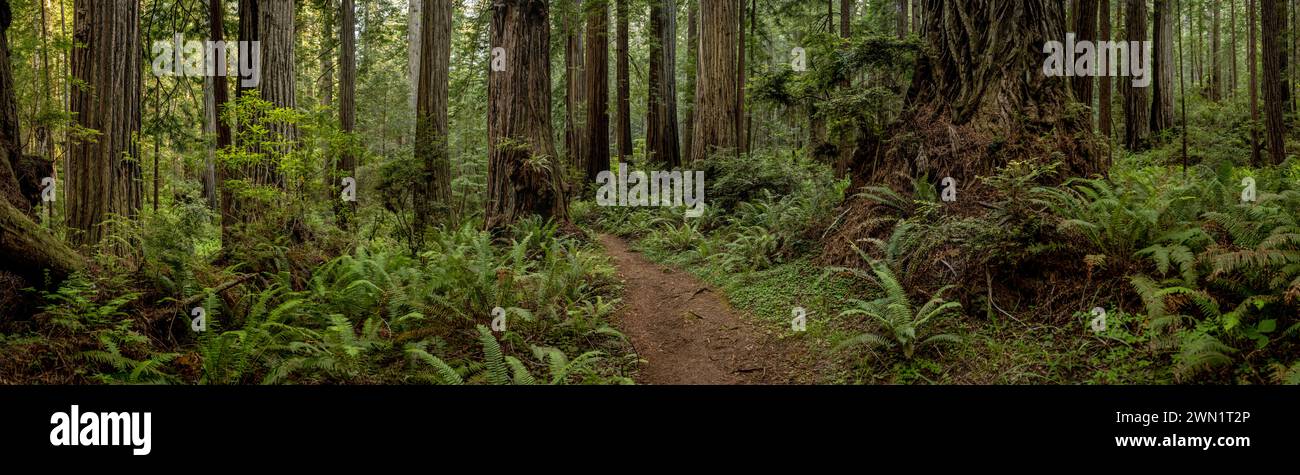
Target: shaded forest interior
417, 191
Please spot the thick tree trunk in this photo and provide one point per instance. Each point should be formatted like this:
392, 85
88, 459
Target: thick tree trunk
431, 111
276, 31
1137, 122
623, 118
575, 89
220, 95
10, 139
249, 17
1162, 92
661, 117
347, 166
1273, 82
597, 64
524, 177
1085, 29
104, 176
972, 108
716, 99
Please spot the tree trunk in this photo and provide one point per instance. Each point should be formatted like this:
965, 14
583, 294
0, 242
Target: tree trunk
623, 119
249, 17
347, 104
431, 112
413, 29
970, 87
1252, 46
900, 18
1273, 82
661, 117
1232, 28
1283, 65
716, 100
1137, 124
597, 64
741, 133
1216, 69
1162, 94
692, 74
523, 176
220, 95
575, 90
10, 139
1085, 29
276, 31
917, 21
1103, 81
104, 176
325, 84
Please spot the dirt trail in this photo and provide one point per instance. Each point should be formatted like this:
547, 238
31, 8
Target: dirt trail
689, 334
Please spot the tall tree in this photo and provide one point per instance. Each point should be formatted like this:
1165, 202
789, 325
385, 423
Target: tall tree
1232, 60
1103, 82
716, 99
347, 166
1283, 62
1085, 29
434, 192
278, 86
661, 116
325, 83
1273, 77
104, 176
220, 95
597, 64
249, 17
1162, 94
623, 118
575, 90
692, 73
1137, 125
523, 179
1216, 70
900, 18
916, 17
741, 75
1252, 47
413, 29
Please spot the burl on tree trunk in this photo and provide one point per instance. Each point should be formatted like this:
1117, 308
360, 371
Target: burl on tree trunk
979, 98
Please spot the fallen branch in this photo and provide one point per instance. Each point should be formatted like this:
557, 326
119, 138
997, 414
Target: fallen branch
180, 306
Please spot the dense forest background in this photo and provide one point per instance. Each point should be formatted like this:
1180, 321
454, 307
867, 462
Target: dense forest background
409, 191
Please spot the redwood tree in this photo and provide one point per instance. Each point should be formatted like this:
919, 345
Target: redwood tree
434, 192
103, 174
523, 176
661, 115
1162, 91
623, 117
1272, 77
717, 111
597, 64
1137, 124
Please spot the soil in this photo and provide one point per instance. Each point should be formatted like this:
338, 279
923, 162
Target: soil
687, 333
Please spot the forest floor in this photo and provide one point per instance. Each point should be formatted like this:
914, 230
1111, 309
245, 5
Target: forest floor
687, 333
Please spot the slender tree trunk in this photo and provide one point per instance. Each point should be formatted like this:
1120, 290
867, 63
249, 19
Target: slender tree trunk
413, 30
249, 17
104, 176
741, 77
1232, 29
209, 176
325, 85
1274, 55
523, 177
1137, 125
623, 119
916, 17
716, 98
220, 95
1216, 69
661, 116
1162, 95
1252, 67
1103, 81
1283, 66
575, 90
597, 63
